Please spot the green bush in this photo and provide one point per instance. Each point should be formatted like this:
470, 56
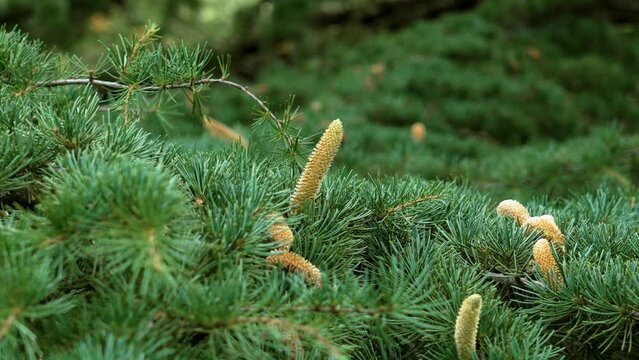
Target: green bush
490, 94
114, 244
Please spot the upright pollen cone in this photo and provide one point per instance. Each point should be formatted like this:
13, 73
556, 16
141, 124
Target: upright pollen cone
547, 226
466, 327
542, 253
513, 209
318, 164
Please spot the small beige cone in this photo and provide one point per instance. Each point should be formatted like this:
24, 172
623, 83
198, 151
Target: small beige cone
542, 253
418, 132
513, 209
281, 232
217, 129
466, 327
296, 263
547, 226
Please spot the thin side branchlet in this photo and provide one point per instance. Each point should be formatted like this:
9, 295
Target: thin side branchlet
318, 164
547, 227
513, 209
281, 232
542, 253
466, 326
296, 263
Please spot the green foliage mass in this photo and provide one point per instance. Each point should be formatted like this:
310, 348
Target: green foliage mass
115, 244
531, 107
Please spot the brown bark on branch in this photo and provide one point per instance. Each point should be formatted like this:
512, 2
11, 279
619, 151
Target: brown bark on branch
513, 280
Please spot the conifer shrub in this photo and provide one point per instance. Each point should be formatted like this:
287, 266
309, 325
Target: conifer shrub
116, 244
490, 92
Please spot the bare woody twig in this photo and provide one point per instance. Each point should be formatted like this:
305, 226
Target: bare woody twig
331, 309
339, 310
408, 204
88, 81
280, 324
513, 280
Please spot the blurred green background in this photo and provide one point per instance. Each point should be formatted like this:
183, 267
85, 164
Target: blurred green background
519, 98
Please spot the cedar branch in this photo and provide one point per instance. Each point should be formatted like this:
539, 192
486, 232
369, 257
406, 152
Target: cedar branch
184, 85
514, 280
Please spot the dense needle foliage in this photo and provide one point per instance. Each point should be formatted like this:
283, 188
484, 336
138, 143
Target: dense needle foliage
115, 244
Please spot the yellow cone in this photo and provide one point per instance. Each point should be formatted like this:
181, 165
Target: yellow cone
418, 132
513, 209
280, 232
547, 226
219, 130
542, 253
296, 263
318, 164
466, 327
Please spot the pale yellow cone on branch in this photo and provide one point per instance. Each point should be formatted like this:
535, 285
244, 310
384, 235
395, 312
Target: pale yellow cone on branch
547, 227
418, 132
318, 164
219, 130
296, 263
466, 327
281, 232
542, 253
513, 209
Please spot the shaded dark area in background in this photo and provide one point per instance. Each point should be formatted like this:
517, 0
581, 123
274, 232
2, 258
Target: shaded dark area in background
260, 31
265, 28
